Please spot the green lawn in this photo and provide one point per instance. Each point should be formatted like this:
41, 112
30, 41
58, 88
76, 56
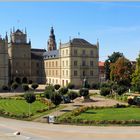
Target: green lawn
20, 106
111, 114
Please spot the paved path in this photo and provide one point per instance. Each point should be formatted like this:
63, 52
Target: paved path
95, 101
43, 131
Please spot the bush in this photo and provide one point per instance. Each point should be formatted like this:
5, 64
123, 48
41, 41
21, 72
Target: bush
14, 86
95, 86
18, 80
30, 81
105, 91
70, 86
48, 93
57, 86
56, 98
73, 95
4, 87
131, 101
50, 87
30, 97
84, 92
34, 86
24, 80
25, 87
63, 90
120, 90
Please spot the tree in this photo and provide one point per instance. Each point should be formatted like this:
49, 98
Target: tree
34, 86
56, 98
30, 98
136, 75
111, 59
25, 87
121, 71
14, 86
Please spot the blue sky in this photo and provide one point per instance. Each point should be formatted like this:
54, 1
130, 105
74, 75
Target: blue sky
115, 24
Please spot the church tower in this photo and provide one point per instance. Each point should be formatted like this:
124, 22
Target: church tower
51, 41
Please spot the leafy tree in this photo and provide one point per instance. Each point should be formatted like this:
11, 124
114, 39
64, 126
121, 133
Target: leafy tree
111, 59
56, 98
57, 86
14, 86
121, 71
136, 75
30, 98
34, 86
63, 90
25, 87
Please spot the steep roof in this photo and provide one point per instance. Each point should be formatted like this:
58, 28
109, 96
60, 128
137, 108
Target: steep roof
51, 54
37, 53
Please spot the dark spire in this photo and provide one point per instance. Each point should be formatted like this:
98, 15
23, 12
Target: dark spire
6, 37
52, 31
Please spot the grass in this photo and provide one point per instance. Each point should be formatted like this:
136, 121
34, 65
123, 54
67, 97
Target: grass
20, 106
128, 113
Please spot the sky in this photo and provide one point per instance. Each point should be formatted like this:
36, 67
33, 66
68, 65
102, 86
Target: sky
115, 24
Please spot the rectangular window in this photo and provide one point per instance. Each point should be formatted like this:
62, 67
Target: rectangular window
46, 64
84, 74
49, 64
91, 73
75, 73
66, 52
91, 52
83, 63
75, 63
37, 64
67, 72
37, 72
67, 63
84, 52
75, 52
56, 63
63, 72
91, 63
56, 72
63, 63
52, 64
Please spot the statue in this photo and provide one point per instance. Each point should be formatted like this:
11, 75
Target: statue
85, 83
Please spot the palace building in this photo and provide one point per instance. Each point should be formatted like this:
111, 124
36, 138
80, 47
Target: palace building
71, 62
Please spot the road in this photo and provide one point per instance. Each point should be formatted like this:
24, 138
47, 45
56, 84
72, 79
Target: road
42, 131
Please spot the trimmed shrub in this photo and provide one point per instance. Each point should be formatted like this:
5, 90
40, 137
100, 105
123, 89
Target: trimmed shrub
57, 86
131, 101
14, 86
34, 86
105, 91
24, 80
30, 81
56, 98
18, 80
70, 86
84, 92
4, 87
63, 90
25, 87
73, 95
30, 97
95, 86
120, 90
50, 87
48, 93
